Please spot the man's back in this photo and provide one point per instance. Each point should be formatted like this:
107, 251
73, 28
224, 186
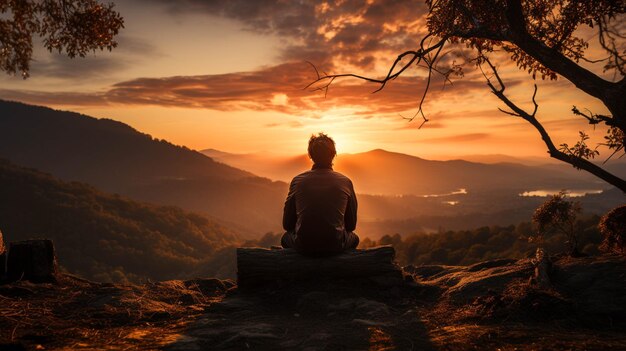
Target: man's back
320, 210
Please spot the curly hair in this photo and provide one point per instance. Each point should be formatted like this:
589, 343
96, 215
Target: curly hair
322, 149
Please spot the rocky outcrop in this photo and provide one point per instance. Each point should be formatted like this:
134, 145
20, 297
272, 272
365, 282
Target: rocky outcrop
579, 286
597, 285
262, 267
32, 260
487, 306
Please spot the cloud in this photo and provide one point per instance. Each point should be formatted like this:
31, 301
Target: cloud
277, 88
331, 33
338, 36
129, 52
54, 98
290, 124
459, 138
61, 66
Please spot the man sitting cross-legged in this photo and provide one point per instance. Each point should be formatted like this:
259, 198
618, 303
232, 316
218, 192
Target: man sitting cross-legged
320, 210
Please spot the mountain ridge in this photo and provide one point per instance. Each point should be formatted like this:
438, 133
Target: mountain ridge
116, 158
104, 236
385, 172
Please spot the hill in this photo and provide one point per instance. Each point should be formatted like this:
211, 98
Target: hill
383, 172
116, 158
107, 237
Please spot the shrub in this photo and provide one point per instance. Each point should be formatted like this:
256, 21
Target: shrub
613, 228
557, 214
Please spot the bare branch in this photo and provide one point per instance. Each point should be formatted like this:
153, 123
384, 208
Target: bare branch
573, 160
315, 68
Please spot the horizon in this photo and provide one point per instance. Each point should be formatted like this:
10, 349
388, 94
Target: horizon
486, 158
185, 73
167, 180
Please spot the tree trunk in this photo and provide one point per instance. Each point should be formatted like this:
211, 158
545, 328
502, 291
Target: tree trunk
32, 260
257, 266
542, 269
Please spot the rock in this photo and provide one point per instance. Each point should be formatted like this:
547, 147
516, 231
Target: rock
32, 260
370, 323
491, 264
597, 284
256, 267
428, 272
361, 307
387, 280
313, 303
208, 287
371, 308
15, 291
228, 283
232, 305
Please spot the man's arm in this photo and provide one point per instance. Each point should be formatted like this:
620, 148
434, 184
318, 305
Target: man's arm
350, 217
289, 212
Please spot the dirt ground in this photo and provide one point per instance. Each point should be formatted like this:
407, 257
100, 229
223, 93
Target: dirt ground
443, 308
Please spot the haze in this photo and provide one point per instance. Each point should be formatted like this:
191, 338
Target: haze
230, 76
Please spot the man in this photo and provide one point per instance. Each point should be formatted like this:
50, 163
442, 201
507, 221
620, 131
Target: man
320, 210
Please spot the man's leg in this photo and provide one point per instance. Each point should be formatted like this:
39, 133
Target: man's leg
288, 241
352, 241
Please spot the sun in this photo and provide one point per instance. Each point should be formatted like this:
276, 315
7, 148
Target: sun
340, 124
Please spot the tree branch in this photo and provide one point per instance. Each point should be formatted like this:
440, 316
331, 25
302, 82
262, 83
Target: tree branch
416, 56
577, 162
582, 78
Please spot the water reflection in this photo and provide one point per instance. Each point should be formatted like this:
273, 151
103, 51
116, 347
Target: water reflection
461, 191
570, 193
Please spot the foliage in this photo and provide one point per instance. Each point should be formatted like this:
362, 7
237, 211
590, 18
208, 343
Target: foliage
114, 157
73, 27
613, 227
559, 214
547, 39
465, 247
580, 149
490, 25
106, 237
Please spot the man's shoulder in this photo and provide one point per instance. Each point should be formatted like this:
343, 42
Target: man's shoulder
341, 176
313, 173
303, 174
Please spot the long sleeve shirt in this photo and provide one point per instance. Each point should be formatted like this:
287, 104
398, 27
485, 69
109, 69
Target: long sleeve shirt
320, 209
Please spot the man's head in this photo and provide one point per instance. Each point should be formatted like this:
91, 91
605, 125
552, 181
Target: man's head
322, 149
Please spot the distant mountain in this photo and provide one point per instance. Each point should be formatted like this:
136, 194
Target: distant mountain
106, 237
500, 158
391, 173
116, 158
275, 167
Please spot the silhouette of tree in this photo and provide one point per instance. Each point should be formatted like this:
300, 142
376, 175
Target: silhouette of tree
558, 214
541, 37
612, 227
73, 27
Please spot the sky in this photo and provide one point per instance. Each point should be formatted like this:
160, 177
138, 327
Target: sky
231, 75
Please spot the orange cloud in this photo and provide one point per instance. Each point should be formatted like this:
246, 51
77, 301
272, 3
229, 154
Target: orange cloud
278, 88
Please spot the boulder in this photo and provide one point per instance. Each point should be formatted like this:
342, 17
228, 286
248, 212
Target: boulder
32, 260
256, 266
596, 284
